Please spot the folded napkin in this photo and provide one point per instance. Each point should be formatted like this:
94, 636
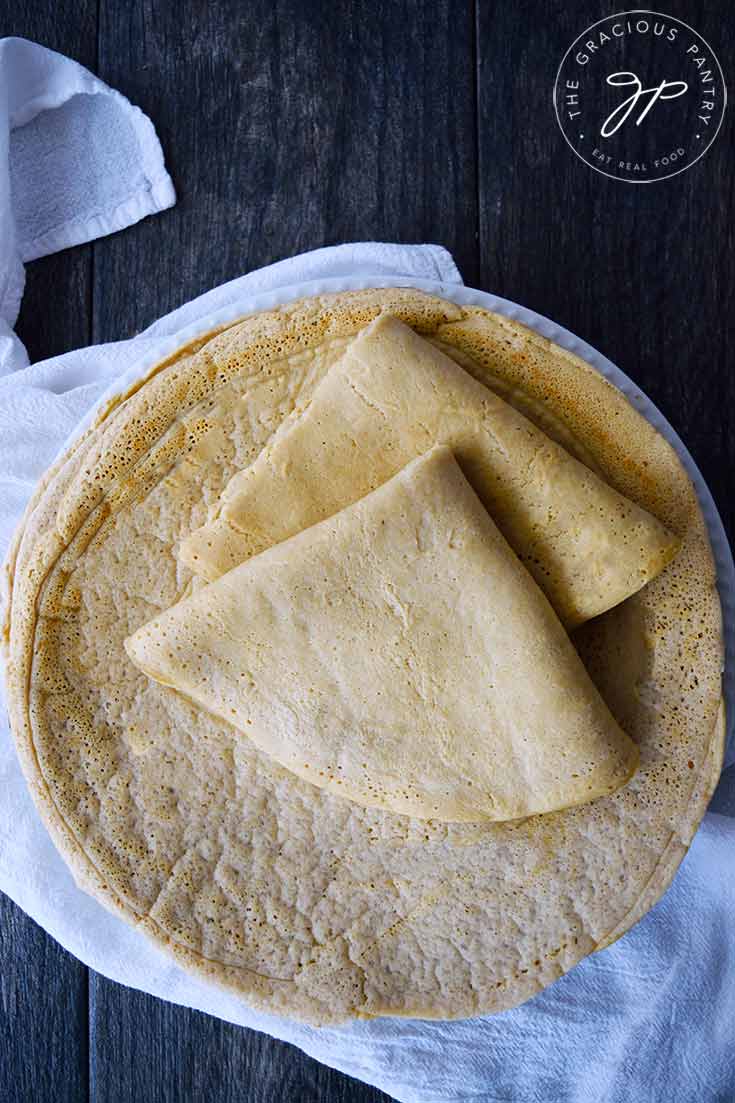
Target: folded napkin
77, 161
651, 1018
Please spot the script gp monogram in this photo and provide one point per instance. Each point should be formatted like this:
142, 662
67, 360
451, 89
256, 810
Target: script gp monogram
666, 90
639, 96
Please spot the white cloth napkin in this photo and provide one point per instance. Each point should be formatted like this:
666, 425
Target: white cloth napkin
77, 161
651, 1018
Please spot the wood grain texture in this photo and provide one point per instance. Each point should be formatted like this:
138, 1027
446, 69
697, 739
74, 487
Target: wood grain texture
148, 1051
43, 1015
289, 125
55, 313
43, 990
641, 272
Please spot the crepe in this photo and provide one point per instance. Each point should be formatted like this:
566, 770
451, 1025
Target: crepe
398, 654
301, 902
390, 398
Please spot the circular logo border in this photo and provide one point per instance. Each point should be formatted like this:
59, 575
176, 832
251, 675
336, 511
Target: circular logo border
620, 15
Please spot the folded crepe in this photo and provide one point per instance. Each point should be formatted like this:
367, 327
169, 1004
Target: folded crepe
400, 655
393, 396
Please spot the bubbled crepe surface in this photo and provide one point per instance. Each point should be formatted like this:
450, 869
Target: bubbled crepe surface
305, 903
372, 625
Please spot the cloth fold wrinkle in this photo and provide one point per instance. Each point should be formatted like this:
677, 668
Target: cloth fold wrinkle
77, 161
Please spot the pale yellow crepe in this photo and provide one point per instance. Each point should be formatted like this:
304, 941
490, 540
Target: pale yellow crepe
390, 398
400, 655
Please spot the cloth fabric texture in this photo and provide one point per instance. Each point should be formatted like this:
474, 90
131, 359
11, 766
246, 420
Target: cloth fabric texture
77, 161
650, 1018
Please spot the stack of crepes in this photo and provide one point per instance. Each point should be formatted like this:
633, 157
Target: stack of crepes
374, 628
361, 766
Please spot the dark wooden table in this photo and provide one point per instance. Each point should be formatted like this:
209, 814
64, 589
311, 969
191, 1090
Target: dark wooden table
289, 124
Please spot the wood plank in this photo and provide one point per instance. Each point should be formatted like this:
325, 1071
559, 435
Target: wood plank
641, 272
150, 1051
43, 1015
43, 990
286, 126
56, 309
55, 313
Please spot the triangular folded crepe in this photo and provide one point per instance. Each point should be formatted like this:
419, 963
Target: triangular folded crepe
390, 398
400, 655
